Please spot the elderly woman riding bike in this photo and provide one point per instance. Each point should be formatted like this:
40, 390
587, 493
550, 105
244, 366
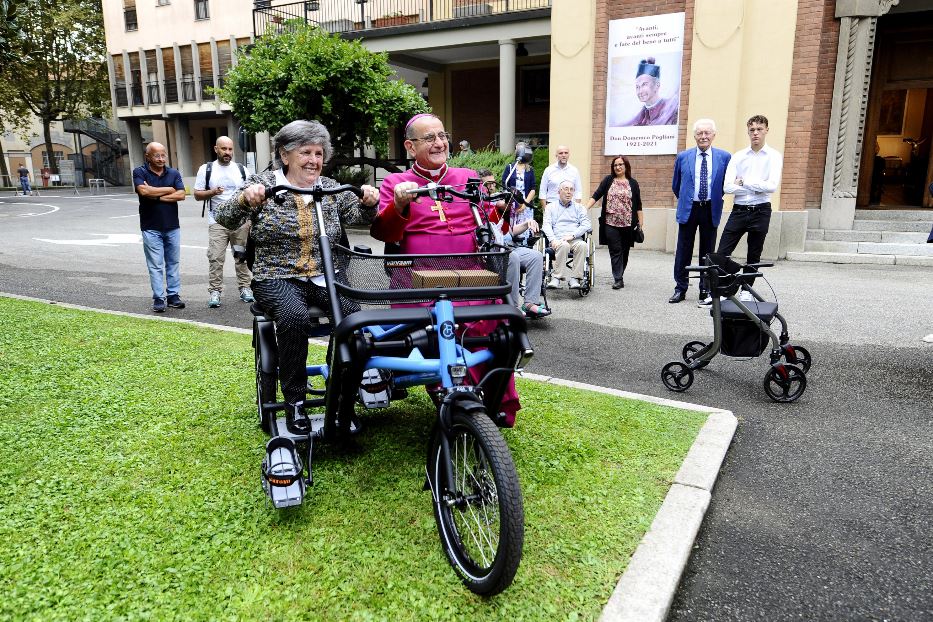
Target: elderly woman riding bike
287, 273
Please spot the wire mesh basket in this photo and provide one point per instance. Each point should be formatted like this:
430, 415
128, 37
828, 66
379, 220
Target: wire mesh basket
389, 279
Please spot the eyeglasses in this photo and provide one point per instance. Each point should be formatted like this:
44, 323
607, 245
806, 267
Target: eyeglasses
490, 185
430, 138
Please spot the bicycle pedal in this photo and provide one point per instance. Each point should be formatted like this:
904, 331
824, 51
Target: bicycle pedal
282, 478
375, 388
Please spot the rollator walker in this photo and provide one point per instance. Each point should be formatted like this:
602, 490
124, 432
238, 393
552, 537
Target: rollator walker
742, 329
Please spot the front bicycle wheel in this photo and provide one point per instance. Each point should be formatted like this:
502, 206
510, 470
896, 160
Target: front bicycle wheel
481, 521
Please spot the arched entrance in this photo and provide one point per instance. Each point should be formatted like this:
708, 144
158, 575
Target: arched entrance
896, 167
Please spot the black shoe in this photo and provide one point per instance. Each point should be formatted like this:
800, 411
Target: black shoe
158, 305
705, 299
175, 302
296, 421
618, 284
678, 296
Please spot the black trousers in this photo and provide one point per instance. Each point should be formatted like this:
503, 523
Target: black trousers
755, 223
619, 240
701, 218
287, 301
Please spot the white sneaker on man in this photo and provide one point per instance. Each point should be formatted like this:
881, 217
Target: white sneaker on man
573, 283
214, 300
554, 283
746, 296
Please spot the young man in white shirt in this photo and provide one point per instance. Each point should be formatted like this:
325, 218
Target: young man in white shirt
753, 174
217, 186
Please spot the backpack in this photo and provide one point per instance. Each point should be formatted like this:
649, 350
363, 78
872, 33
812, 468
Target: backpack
207, 182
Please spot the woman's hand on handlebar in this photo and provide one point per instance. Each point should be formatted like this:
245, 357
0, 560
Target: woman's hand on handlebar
253, 195
370, 196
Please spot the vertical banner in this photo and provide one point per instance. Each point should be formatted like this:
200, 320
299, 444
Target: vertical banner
643, 84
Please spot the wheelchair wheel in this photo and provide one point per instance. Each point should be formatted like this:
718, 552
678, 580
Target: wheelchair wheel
690, 352
784, 382
676, 376
802, 357
265, 392
481, 522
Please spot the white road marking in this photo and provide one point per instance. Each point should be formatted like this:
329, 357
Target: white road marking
110, 239
54, 208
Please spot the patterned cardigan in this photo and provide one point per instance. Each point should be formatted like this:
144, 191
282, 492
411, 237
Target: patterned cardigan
286, 236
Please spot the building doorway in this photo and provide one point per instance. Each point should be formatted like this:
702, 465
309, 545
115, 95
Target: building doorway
896, 166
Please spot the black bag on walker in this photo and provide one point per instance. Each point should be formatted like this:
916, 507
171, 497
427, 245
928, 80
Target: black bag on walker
742, 337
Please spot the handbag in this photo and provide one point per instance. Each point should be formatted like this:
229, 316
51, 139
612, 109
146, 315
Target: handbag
638, 235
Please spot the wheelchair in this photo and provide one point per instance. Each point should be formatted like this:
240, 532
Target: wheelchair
536, 243
589, 264
742, 329
375, 354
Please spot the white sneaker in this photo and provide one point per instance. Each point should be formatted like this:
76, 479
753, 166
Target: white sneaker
705, 302
214, 301
746, 296
554, 283
928, 338
573, 283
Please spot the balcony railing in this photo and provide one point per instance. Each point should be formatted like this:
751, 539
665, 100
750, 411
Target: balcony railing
189, 91
271, 17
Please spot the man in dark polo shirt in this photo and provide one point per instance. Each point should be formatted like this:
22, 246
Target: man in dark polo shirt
160, 188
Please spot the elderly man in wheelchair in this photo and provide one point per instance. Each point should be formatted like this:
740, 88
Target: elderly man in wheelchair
567, 227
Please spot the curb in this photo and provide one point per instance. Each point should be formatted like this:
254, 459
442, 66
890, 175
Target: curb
646, 589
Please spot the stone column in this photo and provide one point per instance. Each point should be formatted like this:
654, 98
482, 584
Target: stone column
134, 139
183, 147
859, 19
506, 95
263, 151
233, 132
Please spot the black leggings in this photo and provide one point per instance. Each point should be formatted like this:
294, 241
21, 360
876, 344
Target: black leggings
287, 302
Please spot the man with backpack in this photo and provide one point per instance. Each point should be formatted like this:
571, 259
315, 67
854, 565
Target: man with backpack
215, 184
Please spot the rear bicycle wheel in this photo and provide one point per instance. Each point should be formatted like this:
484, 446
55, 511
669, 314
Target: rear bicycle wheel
481, 521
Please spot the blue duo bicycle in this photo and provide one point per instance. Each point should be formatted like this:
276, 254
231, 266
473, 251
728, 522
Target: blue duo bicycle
410, 332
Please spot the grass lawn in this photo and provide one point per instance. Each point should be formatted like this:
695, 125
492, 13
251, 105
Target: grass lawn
131, 489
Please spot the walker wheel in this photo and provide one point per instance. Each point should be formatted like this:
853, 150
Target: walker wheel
690, 352
785, 382
676, 376
800, 357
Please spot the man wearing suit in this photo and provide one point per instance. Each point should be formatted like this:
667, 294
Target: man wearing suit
698, 185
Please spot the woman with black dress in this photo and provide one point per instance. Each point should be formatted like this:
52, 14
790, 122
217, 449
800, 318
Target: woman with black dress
621, 203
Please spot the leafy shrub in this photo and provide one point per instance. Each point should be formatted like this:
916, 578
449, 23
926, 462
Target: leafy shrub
351, 175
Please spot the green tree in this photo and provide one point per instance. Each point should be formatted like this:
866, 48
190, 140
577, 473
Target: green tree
13, 117
57, 70
307, 73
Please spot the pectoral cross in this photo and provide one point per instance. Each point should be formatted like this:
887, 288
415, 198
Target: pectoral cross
440, 210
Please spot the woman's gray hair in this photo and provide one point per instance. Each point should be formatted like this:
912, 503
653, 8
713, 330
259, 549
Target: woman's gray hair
299, 133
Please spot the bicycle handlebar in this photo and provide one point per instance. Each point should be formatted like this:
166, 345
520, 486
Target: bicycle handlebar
474, 195
318, 191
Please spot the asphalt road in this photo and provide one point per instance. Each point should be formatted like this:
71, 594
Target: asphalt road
823, 507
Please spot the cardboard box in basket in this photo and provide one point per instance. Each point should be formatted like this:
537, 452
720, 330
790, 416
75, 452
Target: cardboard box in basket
433, 278
477, 278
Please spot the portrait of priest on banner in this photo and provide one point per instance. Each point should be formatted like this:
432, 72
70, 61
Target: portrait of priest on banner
653, 108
